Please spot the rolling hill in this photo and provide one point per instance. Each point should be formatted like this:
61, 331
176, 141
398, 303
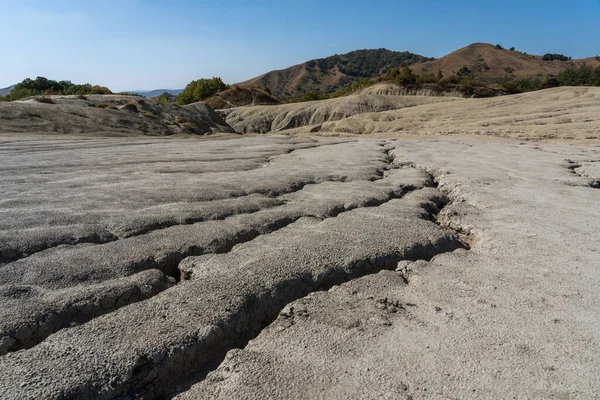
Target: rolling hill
483, 61
7, 90
489, 63
332, 73
156, 92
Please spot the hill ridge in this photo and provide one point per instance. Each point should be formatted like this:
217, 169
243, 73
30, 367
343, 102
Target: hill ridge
484, 61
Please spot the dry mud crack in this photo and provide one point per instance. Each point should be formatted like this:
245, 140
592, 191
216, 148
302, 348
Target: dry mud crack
257, 266
294, 268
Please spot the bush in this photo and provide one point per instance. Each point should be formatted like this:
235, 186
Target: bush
499, 47
42, 86
313, 95
552, 57
512, 48
464, 71
583, 75
46, 100
201, 89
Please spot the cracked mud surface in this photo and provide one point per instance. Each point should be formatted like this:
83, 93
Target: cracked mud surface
297, 268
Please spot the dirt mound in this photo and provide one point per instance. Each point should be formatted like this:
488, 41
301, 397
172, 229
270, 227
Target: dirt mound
129, 115
263, 119
393, 89
238, 96
559, 113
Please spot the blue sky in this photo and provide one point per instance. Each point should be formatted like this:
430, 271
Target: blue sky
149, 44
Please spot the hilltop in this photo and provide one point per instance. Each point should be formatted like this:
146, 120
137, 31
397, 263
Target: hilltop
490, 63
487, 63
332, 73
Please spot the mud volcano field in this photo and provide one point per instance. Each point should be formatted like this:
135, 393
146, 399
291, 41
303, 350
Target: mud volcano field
279, 267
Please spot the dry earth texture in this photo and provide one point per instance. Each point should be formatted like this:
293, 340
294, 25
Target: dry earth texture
271, 267
559, 113
264, 119
108, 114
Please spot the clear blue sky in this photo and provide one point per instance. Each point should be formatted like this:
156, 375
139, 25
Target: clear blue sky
150, 44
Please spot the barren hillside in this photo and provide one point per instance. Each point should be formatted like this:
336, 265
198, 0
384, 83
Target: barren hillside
115, 114
489, 63
384, 109
263, 119
559, 113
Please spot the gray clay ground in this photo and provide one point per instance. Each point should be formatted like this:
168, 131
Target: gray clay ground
276, 267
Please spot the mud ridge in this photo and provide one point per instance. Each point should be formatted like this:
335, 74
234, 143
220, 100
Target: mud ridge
260, 309
574, 166
37, 331
256, 304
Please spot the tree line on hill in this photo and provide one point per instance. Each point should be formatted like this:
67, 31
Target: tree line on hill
367, 63
42, 86
465, 83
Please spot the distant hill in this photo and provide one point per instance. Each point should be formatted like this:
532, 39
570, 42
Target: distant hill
6, 91
165, 97
489, 63
155, 92
332, 73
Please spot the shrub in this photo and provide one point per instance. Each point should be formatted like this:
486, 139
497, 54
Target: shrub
512, 48
552, 57
201, 89
42, 86
464, 71
82, 97
46, 100
312, 95
499, 47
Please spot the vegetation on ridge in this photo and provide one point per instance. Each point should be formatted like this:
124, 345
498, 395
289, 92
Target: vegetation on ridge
332, 73
201, 89
43, 86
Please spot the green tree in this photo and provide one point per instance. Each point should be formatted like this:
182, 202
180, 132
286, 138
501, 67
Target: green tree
43, 86
201, 89
312, 95
464, 71
406, 77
